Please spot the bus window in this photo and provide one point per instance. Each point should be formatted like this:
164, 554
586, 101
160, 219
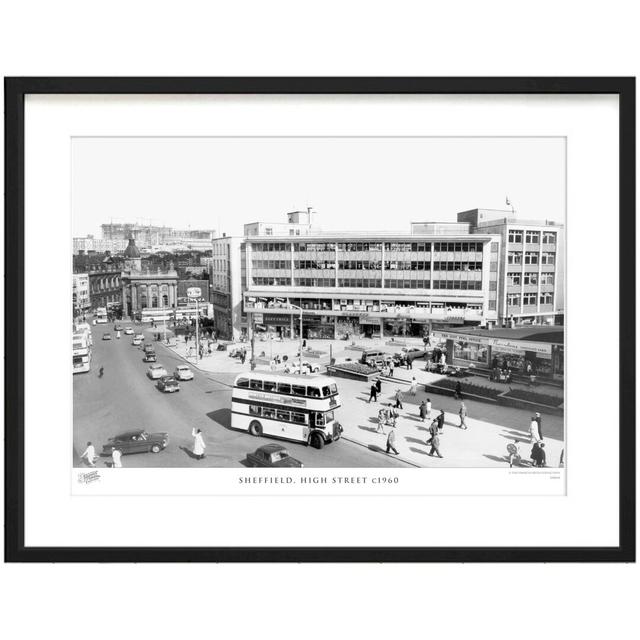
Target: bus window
269, 386
326, 391
284, 388
256, 384
284, 416
243, 382
298, 418
268, 413
319, 420
313, 392
254, 410
298, 390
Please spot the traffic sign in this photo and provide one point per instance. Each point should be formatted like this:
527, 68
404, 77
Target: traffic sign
194, 292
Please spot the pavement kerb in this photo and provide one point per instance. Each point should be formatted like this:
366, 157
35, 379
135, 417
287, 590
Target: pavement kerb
366, 446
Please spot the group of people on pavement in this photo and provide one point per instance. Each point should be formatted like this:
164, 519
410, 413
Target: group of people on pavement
388, 415
538, 455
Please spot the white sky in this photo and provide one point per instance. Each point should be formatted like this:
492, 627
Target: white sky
353, 183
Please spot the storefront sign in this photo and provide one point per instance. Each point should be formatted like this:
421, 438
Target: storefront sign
500, 344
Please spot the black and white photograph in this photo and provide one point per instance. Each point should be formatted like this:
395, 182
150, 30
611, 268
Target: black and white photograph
318, 302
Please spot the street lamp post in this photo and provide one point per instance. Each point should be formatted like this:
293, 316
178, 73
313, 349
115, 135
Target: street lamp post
293, 306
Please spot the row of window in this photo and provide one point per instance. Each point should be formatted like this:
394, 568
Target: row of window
518, 278
531, 257
531, 237
272, 282
368, 246
315, 282
287, 388
471, 285
271, 264
314, 264
529, 299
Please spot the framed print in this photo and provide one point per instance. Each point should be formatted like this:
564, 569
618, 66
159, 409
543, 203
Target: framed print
320, 319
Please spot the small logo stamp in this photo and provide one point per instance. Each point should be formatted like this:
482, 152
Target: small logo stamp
88, 477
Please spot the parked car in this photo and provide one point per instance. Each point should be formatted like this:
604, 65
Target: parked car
128, 331
168, 384
272, 455
136, 441
408, 354
156, 371
106, 336
293, 366
183, 372
150, 356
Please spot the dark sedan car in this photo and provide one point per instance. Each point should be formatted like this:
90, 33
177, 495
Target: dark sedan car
150, 356
168, 384
272, 455
138, 441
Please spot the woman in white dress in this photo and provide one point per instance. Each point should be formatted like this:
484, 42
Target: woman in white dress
414, 386
198, 443
534, 431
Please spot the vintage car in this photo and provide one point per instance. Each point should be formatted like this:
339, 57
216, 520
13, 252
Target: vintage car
136, 342
150, 356
407, 354
168, 384
136, 441
128, 331
293, 366
156, 371
183, 372
106, 336
272, 455
117, 328
149, 348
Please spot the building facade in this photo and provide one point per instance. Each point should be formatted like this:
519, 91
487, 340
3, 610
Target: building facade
531, 277
439, 275
80, 292
142, 289
104, 283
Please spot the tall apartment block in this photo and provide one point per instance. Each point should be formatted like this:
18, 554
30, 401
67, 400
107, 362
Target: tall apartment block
439, 274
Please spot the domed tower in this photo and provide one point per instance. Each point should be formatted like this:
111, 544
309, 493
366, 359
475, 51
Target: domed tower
132, 259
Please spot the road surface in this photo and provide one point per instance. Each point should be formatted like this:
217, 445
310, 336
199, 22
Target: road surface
125, 398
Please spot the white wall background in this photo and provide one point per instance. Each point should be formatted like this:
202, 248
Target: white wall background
328, 38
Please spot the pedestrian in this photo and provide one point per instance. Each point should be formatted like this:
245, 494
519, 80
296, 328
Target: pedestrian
423, 410
440, 420
435, 446
433, 430
90, 455
243, 356
513, 451
198, 443
414, 386
391, 441
533, 430
463, 416
409, 363
373, 393
101, 372
116, 457
538, 455
398, 404
458, 393
391, 367
538, 419
382, 418
428, 408
378, 385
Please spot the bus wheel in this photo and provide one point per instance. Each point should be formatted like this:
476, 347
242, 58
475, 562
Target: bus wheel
317, 441
255, 428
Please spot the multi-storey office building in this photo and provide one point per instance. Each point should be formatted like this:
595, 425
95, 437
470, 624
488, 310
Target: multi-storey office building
438, 275
531, 277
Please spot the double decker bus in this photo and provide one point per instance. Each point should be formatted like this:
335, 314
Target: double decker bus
101, 316
292, 407
81, 352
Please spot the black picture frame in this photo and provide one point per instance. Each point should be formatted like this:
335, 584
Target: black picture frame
15, 91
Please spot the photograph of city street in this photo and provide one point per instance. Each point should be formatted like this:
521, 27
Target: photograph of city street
335, 302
